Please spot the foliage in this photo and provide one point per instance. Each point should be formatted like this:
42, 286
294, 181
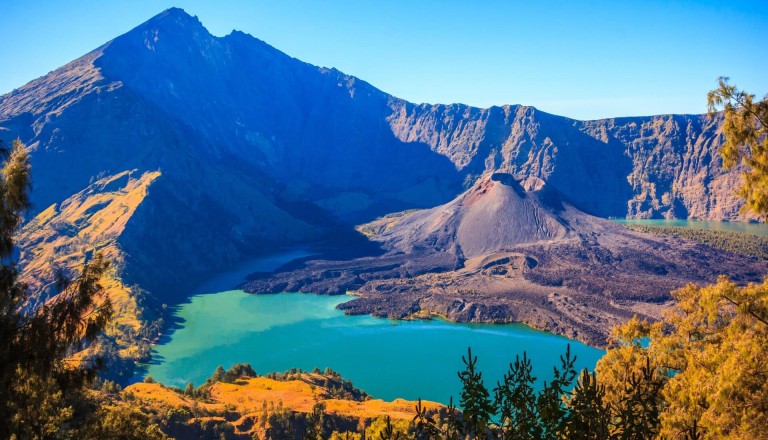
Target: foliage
731, 241
282, 424
746, 139
717, 346
475, 399
632, 385
123, 422
516, 402
315, 422
589, 415
43, 388
38, 407
553, 416
702, 372
424, 425
383, 428
346, 435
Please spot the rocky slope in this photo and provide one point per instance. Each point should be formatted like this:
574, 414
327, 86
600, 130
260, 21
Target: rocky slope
514, 251
645, 167
63, 236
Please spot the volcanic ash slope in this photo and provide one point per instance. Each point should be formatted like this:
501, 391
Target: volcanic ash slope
513, 251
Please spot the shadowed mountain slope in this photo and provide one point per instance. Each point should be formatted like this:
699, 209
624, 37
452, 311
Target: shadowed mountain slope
255, 150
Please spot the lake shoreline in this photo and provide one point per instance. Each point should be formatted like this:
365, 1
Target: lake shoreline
294, 330
211, 328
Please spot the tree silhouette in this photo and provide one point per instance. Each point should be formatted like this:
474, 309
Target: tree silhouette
516, 403
475, 400
552, 413
589, 417
41, 387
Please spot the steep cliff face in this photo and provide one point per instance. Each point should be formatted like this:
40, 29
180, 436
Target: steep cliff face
646, 167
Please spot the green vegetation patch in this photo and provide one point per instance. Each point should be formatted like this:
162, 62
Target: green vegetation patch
735, 242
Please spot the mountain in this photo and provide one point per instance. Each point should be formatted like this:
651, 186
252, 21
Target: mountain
239, 149
497, 212
254, 150
513, 251
665, 166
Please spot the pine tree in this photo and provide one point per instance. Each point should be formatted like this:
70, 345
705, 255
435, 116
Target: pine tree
475, 400
516, 402
389, 433
316, 422
189, 390
638, 414
424, 426
218, 376
549, 405
35, 342
452, 427
745, 127
589, 417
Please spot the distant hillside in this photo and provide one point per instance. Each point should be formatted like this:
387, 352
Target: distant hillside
644, 167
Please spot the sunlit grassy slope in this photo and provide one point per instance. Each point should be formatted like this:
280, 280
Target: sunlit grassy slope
63, 236
244, 402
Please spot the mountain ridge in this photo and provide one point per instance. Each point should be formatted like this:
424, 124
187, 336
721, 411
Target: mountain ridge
475, 139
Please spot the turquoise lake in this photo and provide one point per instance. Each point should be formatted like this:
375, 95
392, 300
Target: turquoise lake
749, 228
388, 359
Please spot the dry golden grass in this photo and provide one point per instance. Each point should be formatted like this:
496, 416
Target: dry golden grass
302, 394
398, 409
155, 394
61, 237
249, 395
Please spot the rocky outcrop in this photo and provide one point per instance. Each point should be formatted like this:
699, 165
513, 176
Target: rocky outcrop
644, 167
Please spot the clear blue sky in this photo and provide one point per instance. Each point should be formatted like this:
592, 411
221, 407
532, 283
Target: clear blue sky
584, 59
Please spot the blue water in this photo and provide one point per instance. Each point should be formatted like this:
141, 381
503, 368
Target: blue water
749, 228
388, 359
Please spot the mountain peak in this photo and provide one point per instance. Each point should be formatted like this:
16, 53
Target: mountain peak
174, 21
176, 14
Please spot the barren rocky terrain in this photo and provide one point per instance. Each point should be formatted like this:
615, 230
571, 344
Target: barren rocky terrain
511, 251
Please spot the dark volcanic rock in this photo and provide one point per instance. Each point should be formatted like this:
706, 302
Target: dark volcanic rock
514, 251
